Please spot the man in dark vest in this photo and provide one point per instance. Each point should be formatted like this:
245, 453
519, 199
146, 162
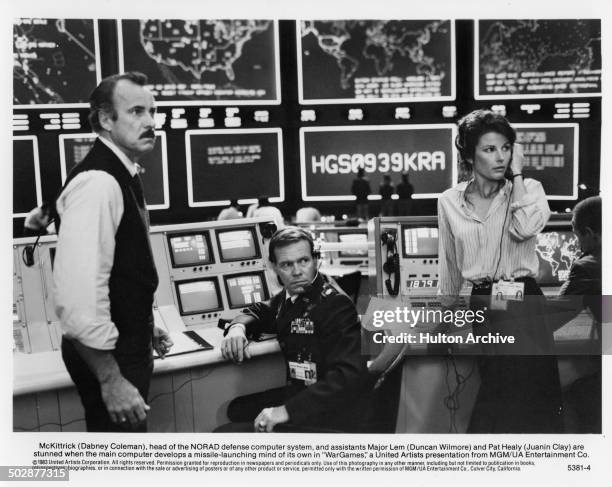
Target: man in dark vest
104, 274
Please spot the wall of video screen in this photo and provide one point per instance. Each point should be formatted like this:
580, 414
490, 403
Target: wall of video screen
290, 109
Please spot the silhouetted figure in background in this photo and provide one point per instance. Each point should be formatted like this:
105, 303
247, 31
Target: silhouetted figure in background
361, 189
264, 208
386, 190
404, 191
261, 200
307, 215
231, 212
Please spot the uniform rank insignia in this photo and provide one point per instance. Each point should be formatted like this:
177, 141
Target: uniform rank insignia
302, 326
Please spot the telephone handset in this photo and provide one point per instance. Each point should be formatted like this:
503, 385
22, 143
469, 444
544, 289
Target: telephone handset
392, 263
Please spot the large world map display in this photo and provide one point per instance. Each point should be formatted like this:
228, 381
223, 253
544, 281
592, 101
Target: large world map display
203, 59
357, 59
532, 57
557, 251
54, 61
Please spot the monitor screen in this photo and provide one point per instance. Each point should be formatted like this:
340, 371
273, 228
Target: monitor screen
557, 249
330, 157
198, 296
252, 159
528, 58
245, 289
27, 189
420, 241
190, 249
237, 244
353, 238
203, 61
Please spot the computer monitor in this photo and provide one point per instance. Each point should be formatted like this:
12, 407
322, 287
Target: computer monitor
237, 244
245, 289
198, 296
557, 249
419, 241
190, 249
353, 238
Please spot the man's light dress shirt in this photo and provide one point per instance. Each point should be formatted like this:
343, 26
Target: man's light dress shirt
90, 208
469, 247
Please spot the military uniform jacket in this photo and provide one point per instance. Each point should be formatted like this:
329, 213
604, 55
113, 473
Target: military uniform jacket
320, 327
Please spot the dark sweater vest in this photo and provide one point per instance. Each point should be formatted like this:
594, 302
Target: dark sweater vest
133, 278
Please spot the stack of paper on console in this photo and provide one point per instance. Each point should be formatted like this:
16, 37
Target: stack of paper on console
168, 318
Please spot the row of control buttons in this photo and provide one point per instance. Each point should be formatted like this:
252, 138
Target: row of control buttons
210, 315
207, 267
425, 261
201, 268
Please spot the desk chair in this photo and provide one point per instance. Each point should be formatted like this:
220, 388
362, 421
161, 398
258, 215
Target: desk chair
350, 284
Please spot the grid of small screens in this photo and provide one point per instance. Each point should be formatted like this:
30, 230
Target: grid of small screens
350, 238
557, 249
200, 296
419, 241
197, 68
204, 294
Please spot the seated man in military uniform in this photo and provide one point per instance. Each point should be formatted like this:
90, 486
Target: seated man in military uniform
319, 334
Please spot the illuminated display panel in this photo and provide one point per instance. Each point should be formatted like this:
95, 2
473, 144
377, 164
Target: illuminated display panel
237, 244
353, 238
419, 241
331, 156
421, 283
252, 159
190, 249
537, 58
56, 62
374, 61
155, 182
245, 289
27, 192
198, 296
557, 249
551, 157
204, 61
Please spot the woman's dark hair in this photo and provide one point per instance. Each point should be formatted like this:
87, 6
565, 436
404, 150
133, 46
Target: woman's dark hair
101, 98
473, 126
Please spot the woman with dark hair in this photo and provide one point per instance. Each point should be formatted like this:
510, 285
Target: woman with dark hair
487, 226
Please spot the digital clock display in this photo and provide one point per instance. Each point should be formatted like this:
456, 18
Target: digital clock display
421, 283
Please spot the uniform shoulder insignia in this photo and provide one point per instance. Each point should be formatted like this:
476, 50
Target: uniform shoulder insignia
328, 290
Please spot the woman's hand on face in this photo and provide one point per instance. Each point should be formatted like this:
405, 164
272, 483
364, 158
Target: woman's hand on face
518, 158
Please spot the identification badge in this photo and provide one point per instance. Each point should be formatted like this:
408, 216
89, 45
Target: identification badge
306, 371
504, 291
302, 326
